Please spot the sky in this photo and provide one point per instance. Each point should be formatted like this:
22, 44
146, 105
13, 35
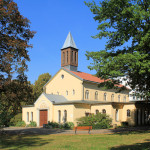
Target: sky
53, 20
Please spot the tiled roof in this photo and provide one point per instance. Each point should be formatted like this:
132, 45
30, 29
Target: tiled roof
90, 77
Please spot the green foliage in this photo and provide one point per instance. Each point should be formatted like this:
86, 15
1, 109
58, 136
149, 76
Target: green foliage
32, 124
15, 119
15, 35
67, 125
21, 124
126, 26
16, 93
98, 121
124, 124
38, 85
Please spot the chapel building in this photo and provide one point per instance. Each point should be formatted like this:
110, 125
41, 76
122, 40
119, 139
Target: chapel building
71, 94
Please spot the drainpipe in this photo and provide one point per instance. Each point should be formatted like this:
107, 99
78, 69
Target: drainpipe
83, 91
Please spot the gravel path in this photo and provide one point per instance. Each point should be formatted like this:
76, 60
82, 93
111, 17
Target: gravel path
43, 131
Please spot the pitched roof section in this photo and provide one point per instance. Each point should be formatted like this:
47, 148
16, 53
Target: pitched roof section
69, 42
89, 77
55, 98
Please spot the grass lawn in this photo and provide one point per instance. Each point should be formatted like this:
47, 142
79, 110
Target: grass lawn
125, 141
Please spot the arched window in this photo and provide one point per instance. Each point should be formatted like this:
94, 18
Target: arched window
96, 95
65, 116
104, 111
59, 116
105, 96
124, 98
96, 111
86, 94
73, 92
118, 98
128, 113
63, 57
66, 92
117, 115
112, 97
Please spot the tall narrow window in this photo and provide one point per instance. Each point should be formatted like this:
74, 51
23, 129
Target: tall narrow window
97, 111
96, 95
27, 116
65, 116
75, 58
86, 94
104, 111
67, 56
59, 116
112, 97
31, 116
117, 115
105, 96
73, 92
118, 98
63, 57
128, 113
66, 92
124, 98
72, 56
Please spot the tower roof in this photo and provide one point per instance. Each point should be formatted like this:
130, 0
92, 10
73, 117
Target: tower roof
69, 42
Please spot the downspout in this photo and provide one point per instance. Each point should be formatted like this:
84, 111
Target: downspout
83, 92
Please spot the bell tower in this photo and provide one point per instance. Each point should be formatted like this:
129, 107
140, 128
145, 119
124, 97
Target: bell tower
69, 54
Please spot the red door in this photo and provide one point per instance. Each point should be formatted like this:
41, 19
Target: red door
43, 117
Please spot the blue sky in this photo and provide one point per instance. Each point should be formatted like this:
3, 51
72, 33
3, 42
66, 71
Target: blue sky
52, 20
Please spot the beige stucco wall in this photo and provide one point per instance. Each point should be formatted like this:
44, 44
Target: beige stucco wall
131, 119
92, 88
68, 83
62, 108
24, 114
80, 110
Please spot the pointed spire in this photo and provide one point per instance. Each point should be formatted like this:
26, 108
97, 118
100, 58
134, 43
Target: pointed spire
69, 42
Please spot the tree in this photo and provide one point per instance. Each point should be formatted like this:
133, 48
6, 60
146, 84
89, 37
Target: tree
14, 96
38, 85
14, 40
126, 26
15, 34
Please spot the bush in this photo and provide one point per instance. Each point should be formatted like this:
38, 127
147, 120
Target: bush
67, 125
32, 124
17, 118
98, 121
20, 124
124, 124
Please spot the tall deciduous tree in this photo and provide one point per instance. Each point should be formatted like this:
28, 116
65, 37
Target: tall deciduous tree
15, 34
38, 85
126, 26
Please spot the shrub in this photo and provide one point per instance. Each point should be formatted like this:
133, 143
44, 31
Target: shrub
20, 124
71, 125
124, 124
98, 121
16, 119
52, 125
32, 124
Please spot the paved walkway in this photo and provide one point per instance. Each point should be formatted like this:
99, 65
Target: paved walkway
43, 131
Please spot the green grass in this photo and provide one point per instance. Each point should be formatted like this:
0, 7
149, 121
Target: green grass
125, 141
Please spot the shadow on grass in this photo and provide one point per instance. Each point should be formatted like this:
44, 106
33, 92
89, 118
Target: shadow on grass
21, 141
136, 146
132, 130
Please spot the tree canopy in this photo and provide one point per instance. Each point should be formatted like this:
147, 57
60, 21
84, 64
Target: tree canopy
15, 34
38, 85
126, 26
